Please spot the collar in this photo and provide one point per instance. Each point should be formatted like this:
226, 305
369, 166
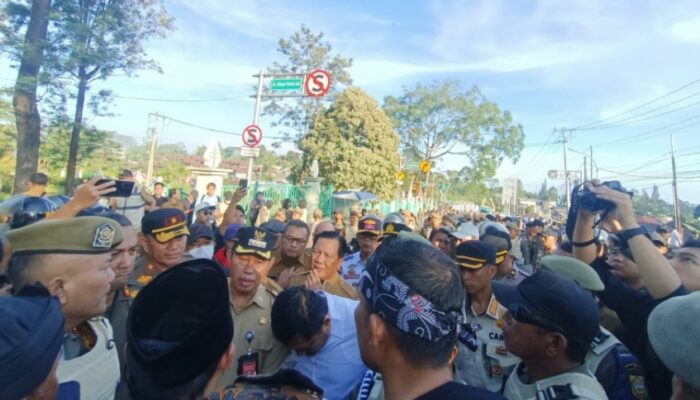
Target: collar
258, 298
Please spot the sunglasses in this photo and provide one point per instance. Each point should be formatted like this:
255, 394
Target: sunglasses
521, 314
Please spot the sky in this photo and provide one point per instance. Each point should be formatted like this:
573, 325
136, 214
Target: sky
586, 64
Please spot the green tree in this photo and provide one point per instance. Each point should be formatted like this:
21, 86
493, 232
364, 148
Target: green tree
552, 194
305, 51
98, 153
355, 145
30, 54
8, 145
440, 119
92, 40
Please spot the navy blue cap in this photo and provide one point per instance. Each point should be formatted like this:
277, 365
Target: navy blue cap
273, 226
173, 338
31, 335
557, 299
231, 231
474, 254
164, 224
198, 231
251, 240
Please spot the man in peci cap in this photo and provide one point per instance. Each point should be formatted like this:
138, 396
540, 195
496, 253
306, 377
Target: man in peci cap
256, 350
369, 229
32, 334
550, 324
407, 322
486, 362
610, 361
179, 346
71, 258
163, 239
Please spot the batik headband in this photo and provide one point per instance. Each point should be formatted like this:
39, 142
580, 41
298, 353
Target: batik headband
400, 306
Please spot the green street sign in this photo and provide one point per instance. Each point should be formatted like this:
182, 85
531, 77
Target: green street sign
412, 165
287, 83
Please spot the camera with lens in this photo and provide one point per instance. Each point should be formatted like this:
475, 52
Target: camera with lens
588, 200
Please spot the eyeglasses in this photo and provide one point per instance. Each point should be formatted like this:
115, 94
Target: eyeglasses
521, 314
294, 241
206, 212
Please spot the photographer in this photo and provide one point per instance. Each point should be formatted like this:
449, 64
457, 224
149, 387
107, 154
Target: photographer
661, 279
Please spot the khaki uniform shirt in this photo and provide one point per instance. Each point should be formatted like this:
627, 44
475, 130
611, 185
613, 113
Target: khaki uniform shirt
490, 364
255, 317
336, 285
303, 263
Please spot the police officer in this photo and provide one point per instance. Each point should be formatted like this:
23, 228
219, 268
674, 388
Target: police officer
369, 229
615, 367
257, 351
508, 272
32, 326
71, 258
486, 363
550, 324
393, 224
163, 239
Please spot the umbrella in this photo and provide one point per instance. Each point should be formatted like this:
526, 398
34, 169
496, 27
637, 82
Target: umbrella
355, 195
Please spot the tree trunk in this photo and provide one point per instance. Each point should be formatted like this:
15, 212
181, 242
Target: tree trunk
27, 118
75, 133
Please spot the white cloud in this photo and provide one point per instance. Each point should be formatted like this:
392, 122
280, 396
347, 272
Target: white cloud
687, 30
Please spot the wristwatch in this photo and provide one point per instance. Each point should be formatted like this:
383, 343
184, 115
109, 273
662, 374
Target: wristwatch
628, 234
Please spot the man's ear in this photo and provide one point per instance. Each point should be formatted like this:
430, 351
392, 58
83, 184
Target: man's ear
142, 240
56, 287
556, 344
378, 330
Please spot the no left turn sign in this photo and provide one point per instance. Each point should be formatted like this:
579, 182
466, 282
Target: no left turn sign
318, 83
252, 135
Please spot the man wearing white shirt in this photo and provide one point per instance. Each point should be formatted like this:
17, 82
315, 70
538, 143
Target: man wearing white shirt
210, 197
320, 329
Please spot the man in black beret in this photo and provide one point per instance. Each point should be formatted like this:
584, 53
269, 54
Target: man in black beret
179, 346
32, 334
485, 363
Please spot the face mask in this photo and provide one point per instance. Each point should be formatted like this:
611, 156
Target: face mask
206, 251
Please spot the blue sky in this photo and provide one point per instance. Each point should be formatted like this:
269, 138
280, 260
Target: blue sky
551, 63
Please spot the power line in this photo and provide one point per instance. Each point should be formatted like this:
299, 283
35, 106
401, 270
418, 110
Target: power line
638, 107
621, 123
651, 133
180, 100
210, 129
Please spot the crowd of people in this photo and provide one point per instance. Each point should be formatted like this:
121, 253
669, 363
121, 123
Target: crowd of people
154, 296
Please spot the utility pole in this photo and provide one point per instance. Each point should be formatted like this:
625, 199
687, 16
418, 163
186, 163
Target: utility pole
256, 115
591, 149
676, 203
152, 154
567, 187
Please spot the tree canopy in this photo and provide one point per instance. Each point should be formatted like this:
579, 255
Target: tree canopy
355, 145
441, 119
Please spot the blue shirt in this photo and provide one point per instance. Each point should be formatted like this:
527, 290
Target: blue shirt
337, 368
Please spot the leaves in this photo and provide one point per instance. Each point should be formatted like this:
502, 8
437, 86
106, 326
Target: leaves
355, 145
440, 119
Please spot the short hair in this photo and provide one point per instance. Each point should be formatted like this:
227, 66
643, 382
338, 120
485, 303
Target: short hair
21, 271
286, 203
441, 230
334, 235
240, 208
296, 223
39, 178
433, 275
577, 350
172, 192
211, 184
318, 213
159, 184
298, 313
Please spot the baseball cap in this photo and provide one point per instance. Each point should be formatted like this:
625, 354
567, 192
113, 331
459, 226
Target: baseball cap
199, 231
466, 230
251, 240
474, 254
370, 224
126, 174
173, 338
556, 300
164, 224
231, 231
203, 206
273, 226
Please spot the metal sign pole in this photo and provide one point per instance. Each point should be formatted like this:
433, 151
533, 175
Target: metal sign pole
256, 115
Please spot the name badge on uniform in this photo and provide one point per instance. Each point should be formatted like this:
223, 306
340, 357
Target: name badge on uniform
248, 363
